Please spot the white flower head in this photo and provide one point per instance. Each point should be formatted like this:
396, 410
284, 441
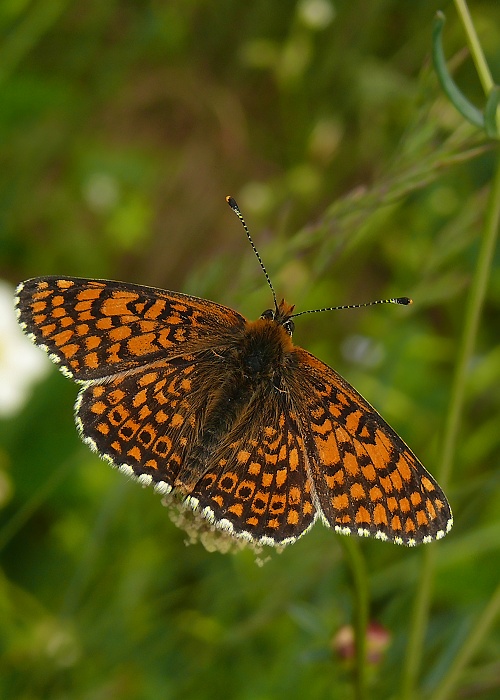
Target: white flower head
21, 364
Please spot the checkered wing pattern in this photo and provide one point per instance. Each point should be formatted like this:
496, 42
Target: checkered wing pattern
144, 422
96, 328
257, 483
161, 426
367, 481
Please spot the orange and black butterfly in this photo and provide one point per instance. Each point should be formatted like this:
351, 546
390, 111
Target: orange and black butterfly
256, 434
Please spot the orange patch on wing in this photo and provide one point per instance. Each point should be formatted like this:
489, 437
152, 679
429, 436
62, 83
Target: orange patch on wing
328, 449
340, 502
293, 459
380, 515
404, 469
91, 360
415, 498
422, 518
120, 333
392, 504
404, 505
430, 509
351, 464
369, 472
277, 504
352, 421
135, 453
396, 480
63, 337
281, 475
104, 323
410, 525
427, 484
363, 516
308, 508
294, 496
357, 491
90, 293
396, 523
142, 344
117, 305
375, 494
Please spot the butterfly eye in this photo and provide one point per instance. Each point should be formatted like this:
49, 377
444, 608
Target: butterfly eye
289, 326
268, 315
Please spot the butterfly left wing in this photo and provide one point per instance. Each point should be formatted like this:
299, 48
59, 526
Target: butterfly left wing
367, 480
145, 422
98, 328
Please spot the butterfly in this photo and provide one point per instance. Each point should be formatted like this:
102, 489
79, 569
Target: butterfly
254, 433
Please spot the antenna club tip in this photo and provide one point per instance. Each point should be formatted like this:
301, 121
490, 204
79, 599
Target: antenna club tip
405, 301
232, 203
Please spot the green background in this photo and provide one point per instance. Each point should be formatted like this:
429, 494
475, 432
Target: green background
123, 125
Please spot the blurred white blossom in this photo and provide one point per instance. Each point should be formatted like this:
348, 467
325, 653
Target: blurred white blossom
316, 14
21, 363
101, 192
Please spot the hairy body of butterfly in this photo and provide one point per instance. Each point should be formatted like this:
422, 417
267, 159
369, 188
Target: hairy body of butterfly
259, 436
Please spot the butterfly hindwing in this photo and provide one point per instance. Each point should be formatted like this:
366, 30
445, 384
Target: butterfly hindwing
257, 481
155, 425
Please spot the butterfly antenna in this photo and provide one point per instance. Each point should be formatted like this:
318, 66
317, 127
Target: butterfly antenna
234, 206
404, 301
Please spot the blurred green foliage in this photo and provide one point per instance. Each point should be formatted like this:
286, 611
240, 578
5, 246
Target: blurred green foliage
123, 125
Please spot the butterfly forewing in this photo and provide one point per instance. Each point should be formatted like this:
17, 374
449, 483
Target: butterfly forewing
367, 481
95, 328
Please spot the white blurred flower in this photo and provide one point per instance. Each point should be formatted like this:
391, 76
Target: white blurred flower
21, 363
101, 192
316, 14
363, 351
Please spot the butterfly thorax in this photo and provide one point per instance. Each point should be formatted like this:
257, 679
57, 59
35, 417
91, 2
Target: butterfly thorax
264, 350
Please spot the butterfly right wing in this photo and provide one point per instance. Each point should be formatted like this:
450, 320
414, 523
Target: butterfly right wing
366, 479
98, 328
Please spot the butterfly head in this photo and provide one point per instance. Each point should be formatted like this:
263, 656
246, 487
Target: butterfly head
282, 315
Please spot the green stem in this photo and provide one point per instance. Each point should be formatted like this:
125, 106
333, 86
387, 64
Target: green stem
473, 312
445, 689
475, 47
418, 624
359, 574
21, 40
471, 324
472, 316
